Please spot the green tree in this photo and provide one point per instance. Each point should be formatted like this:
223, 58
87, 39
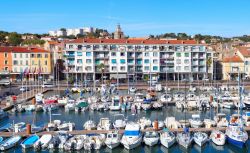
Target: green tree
15, 39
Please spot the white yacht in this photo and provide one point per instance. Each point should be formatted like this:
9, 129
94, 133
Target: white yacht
151, 138
196, 121
113, 139
167, 138
200, 138
218, 137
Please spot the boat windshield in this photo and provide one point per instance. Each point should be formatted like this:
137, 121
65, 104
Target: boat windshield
131, 133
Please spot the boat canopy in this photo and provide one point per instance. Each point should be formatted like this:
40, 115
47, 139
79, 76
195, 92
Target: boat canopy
131, 133
82, 104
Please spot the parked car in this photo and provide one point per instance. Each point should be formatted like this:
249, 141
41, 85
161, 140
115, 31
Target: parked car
48, 85
24, 88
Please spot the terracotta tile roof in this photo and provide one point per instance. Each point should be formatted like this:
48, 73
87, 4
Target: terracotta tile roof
234, 58
132, 41
22, 49
245, 51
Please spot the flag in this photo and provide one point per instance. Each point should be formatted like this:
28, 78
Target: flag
34, 71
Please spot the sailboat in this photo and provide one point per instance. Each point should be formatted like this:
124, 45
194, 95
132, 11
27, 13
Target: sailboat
185, 138
236, 135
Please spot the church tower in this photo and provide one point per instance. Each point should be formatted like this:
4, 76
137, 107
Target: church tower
118, 34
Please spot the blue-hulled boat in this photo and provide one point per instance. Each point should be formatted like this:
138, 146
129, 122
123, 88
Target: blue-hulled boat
10, 142
5, 128
236, 135
30, 141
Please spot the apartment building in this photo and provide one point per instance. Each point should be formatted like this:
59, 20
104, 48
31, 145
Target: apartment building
178, 59
18, 59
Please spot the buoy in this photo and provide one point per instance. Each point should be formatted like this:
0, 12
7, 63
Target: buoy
28, 129
33, 101
156, 125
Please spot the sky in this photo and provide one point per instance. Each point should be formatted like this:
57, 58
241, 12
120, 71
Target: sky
137, 18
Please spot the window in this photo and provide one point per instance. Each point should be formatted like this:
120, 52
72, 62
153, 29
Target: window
178, 61
6, 62
155, 61
15, 69
113, 53
33, 62
6, 68
21, 62
130, 61
201, 48
5, 54
186, 61
88, 46
32, 55
146, 47
70, 46
88, 68
27, 62
113, 61
154, 47
88, 53
186, 68
88, 61
15, 55
155, 68
146, 68
27, 55
79, 47
15, 62
79, 53
122, 54
113, 68
79, 61
186, 54
178, 54
146, 54
122, 61
46, 55
39, 55
146, 61
155, 54
178, 68
122, 68
45, 62
21, 55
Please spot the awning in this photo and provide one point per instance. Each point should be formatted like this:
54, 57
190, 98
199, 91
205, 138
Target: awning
120, 76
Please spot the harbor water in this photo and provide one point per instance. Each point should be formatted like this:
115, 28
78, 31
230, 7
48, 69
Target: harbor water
41, 118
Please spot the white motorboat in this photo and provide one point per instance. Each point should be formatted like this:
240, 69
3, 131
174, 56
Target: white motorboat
119, 121
63, 138
104, 124
218, 137
167, 138
165, 98
181, 105
146, 105
132, 137
43, 142
39, 108
196, 121
75, 143
221, 120
52, 126
236, 135
132, 89
226, 102
113, 139
144, 122
94, 142
39, 97
18, 127
157, 105
10, 142
70, 106
115, 104
54, 143
200, 138
158, 87
30, 108
63, 100
75, 90
139, 97
185, 139
171, 123
89, 125
209, 123
151, 138
68, 126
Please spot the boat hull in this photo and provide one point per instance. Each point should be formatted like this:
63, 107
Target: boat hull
236, 142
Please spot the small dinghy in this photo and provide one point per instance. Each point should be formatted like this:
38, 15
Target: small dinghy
200, 138
113, 139
167, 138
151, 138
66, 127
43, 142
29, 141
218, 137
10, 142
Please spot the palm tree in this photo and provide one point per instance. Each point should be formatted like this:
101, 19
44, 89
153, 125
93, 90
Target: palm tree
209, 63
101, 68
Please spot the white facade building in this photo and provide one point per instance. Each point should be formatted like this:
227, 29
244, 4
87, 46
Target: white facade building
178, 59
74, 31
